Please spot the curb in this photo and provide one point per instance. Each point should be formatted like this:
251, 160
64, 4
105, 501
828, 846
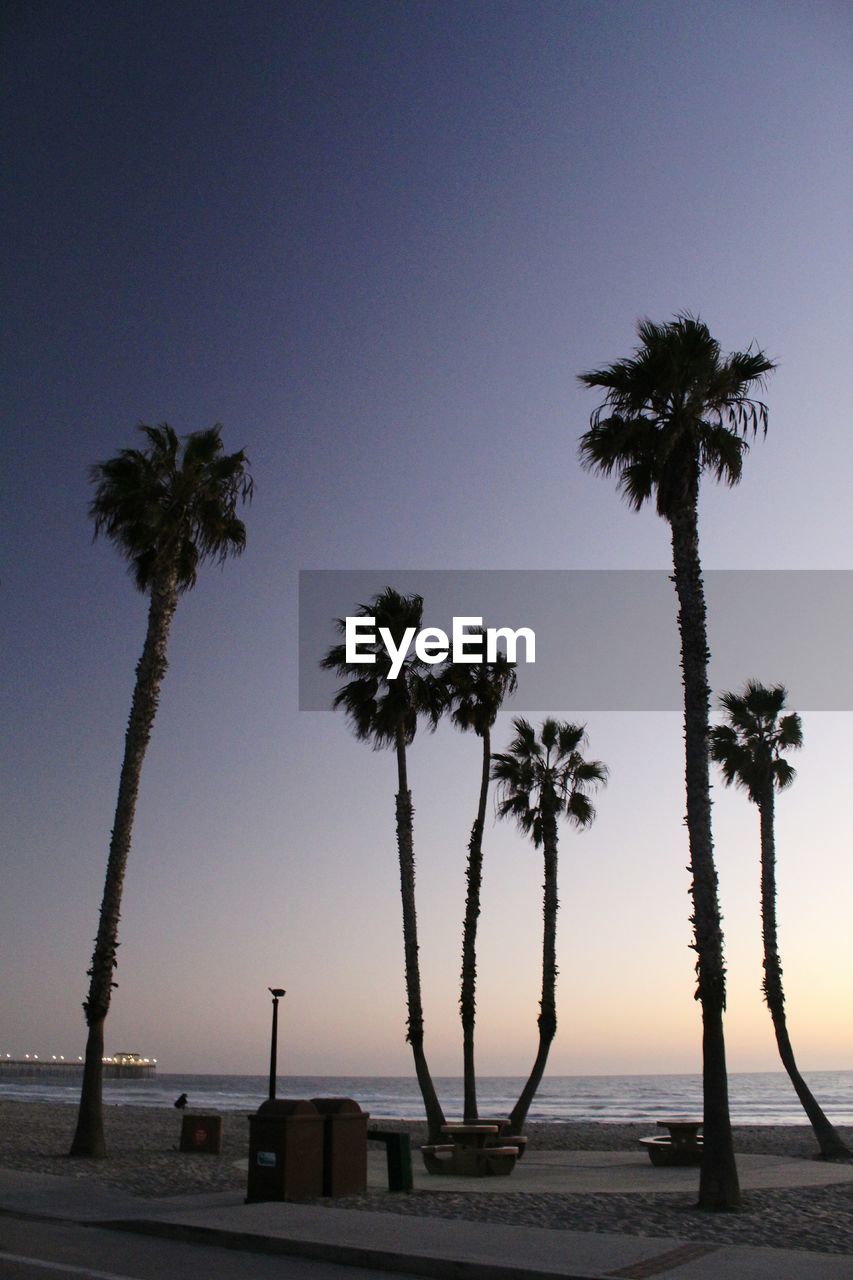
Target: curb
347, 1255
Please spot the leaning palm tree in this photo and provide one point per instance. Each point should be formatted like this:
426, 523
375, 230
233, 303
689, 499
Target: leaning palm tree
384, 710
540, 780
749, 752
475, 693
676, 409
166, 509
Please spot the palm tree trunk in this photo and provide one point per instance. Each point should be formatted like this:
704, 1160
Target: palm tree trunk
718, 1182
467, 998
89, 1136
829, 1141
548, 1006
415, 1021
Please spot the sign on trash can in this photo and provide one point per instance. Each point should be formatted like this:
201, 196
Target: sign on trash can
285, 1151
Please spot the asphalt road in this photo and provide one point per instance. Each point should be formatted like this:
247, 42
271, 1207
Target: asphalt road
39, 1250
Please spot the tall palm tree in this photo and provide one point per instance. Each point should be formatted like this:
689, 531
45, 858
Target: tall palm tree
166, 509
475, 693
749, 752
540, 780
676, 409
385, 711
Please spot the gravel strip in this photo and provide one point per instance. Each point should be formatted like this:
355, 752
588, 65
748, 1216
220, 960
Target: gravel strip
819, 1218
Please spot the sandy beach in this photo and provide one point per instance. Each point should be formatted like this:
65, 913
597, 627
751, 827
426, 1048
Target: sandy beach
144, 1160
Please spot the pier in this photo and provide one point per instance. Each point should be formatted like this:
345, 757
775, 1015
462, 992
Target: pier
120, 1066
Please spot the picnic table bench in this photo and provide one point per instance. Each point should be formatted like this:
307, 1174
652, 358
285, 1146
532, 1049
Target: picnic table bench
682, 1146
505, 1138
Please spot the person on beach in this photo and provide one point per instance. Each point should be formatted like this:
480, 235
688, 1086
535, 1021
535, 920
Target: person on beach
181, 1101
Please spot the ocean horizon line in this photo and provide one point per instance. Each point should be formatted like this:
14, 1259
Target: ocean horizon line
756, 1098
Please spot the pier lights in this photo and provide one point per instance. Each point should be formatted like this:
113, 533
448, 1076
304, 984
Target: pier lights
276, 993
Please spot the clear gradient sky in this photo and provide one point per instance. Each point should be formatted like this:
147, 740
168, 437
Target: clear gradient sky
377, 241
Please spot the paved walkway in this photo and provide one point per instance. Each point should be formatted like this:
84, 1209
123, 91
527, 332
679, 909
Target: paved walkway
614, 1171
452, 1249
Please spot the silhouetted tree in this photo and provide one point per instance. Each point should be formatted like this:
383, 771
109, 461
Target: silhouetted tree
475, 693
540, 780
749, 750
385, 712
166, 509
676, 409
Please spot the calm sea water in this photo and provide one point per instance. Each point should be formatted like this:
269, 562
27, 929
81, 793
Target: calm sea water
756, 1098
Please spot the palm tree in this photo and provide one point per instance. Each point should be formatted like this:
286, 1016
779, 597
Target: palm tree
166, 509
539, 780
385, 711
749, 752
475, 693
674, 410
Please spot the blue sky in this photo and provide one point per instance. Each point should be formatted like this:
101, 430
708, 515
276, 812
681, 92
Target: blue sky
378, 242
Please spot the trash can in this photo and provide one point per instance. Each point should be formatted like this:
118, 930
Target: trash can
285, 1151
344, 1146
201, 1133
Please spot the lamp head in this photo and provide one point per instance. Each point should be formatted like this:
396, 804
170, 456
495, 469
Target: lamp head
276, 992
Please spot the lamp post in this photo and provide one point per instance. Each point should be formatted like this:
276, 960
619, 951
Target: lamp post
276, 993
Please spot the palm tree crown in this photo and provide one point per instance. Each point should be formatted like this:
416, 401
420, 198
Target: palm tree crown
672, 411
475, 692
546, 776
167, 511
748, 748
378, 708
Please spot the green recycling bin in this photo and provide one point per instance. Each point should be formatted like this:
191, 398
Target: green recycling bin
285, 1151
344, 1146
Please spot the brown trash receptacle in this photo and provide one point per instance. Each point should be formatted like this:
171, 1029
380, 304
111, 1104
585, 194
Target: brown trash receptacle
344, 1146
201, 1133
285, 1151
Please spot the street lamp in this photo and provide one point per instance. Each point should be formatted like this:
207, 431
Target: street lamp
276, 993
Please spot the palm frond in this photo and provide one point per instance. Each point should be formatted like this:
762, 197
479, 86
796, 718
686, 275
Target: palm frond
790, 732
721, 452
783, 774
579, 809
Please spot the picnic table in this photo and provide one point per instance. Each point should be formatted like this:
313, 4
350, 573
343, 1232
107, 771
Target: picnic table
468, 1152
682, 1146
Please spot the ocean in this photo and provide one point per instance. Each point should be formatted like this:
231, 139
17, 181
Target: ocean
755, 1097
